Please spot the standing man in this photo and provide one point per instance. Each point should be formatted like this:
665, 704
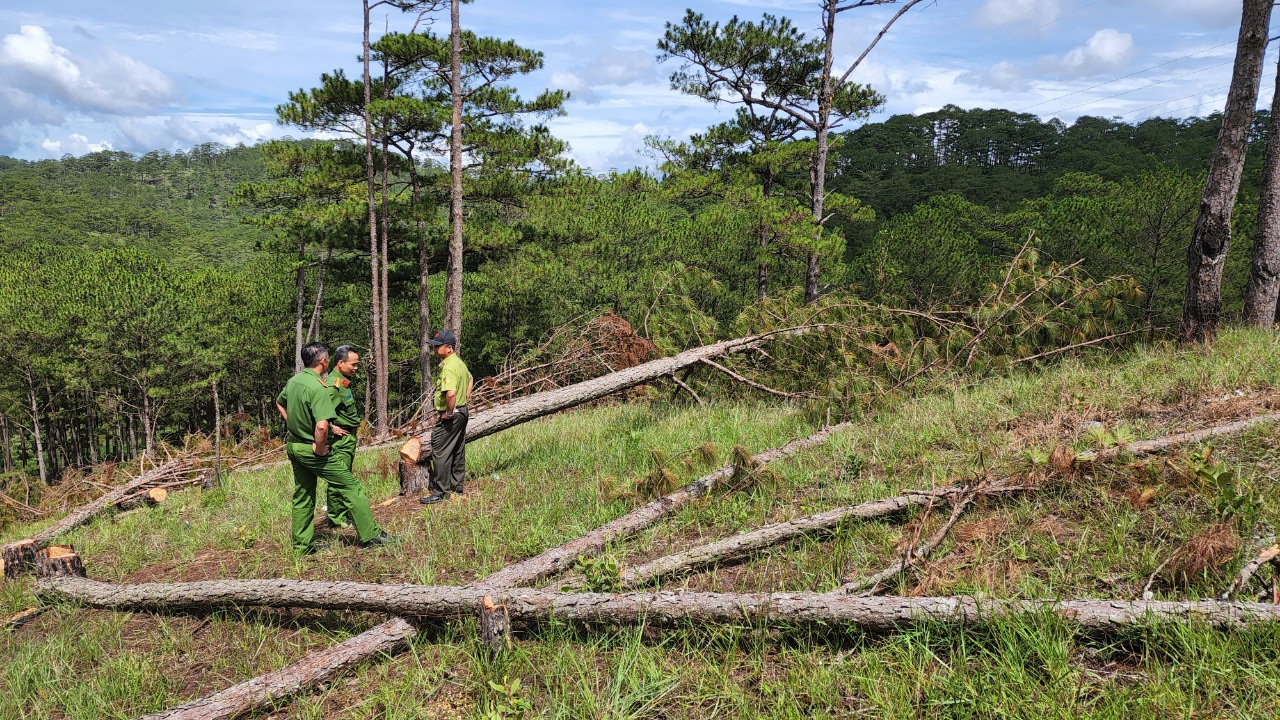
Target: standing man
448, 437
346, 362
307, 405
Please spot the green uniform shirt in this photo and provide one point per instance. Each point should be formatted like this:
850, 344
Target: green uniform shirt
307, 400
451, 374
348, 416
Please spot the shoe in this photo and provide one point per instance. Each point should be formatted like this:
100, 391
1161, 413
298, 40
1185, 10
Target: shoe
434, 498
384, 539
315, 548
329, 524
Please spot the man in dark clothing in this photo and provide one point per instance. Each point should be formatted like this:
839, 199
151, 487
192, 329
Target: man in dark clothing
453, 384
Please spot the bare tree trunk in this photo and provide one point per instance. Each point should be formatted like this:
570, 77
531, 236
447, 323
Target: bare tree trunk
818, 173
424, 286
1263, 289
1207, 253
313, 326
664, 609
379, 381
453, 270
5, 443
301, 282
384, 336
35, 431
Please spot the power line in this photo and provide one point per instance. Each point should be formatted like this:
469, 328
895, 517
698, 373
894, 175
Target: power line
1144, 87
1125, 77
1264, 76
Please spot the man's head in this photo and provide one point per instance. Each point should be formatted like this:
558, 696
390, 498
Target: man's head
346, 361
315, 356
444, 343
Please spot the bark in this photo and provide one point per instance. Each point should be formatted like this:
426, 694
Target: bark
84, 513
818, 173
263, 692
1269, 553
1263, 288
6, 450
528, 408
560, 558
1207, 253
414, 478
35, 431
300, 281
378, 381
869, 584
1146, 447
313, 325
59, 561
453, 270
662, 609
748, 543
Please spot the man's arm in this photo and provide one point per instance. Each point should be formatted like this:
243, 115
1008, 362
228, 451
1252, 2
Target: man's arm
450, 399
321, 445
284, 414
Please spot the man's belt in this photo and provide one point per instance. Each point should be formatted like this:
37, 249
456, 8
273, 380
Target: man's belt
351, 430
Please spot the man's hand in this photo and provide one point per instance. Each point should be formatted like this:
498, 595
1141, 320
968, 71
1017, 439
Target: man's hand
338, 431
319, 450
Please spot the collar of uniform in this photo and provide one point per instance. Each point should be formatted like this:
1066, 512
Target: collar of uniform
314, 374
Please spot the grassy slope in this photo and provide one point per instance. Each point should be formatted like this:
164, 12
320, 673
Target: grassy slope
1094, 535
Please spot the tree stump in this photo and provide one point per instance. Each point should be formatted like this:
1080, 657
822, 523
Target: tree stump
154, 496
59, 561
415, 477
18, 557
495, 626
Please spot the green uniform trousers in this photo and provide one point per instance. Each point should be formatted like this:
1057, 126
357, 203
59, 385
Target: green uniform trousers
333, 469
344, 448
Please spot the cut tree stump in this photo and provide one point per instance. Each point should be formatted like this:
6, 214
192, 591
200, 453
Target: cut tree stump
154, 496
659, 609
18, 557
59, 561
495, 626
414, 477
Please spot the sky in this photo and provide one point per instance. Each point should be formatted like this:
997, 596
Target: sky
79, 76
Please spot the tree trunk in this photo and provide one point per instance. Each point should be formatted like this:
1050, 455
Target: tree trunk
818, 172
313, 325
1146, 447
503, 416
301, 281
668, 609
7, 450
453, 270
558, 559
748, 543
424, 288
1263, 289
35, 431
383, 356
415, 477
378, 381
84, 513
1207, 253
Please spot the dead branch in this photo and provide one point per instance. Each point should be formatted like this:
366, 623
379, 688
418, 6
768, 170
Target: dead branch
751, 383
914, 554
1269, 552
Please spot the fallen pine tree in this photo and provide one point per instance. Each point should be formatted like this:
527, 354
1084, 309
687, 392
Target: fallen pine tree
668, 609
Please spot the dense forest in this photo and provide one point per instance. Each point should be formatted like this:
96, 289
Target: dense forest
131, 284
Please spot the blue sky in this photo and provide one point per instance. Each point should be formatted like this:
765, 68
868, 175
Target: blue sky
140, 75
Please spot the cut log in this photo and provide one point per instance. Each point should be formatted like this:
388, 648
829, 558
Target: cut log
414, 478
664, 609
1146, 447
59, 561
501, 417
869, 584
154, 496
84, 513
17, 620
748, 543
18, 557
262, 692
559, 559
411, 450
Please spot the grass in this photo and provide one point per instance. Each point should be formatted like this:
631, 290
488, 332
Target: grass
1099, 533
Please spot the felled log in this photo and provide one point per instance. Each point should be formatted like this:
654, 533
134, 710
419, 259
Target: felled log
501, 417
59, 561
748, 543
913, 554
558, 559
153, 496
84, 513
262, 692
1146, 447
670, 609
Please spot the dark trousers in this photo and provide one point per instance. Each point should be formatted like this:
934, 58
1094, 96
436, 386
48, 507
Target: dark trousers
449, 451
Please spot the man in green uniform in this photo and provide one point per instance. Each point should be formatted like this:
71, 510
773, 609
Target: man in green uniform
449, 436
307, 405
345, 364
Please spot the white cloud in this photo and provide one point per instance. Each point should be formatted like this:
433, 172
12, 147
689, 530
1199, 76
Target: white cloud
74, 144
1106, 51
114, 83
1038, 13
1004, 75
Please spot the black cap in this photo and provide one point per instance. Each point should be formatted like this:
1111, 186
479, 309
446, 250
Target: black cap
444, 337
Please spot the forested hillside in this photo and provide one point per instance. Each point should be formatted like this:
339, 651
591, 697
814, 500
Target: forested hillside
131, 284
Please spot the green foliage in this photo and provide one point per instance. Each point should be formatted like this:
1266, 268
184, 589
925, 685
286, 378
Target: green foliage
1231, 498
508, 700
601, 573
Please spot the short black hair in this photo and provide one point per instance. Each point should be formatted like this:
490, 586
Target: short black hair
342, 353
313, 353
